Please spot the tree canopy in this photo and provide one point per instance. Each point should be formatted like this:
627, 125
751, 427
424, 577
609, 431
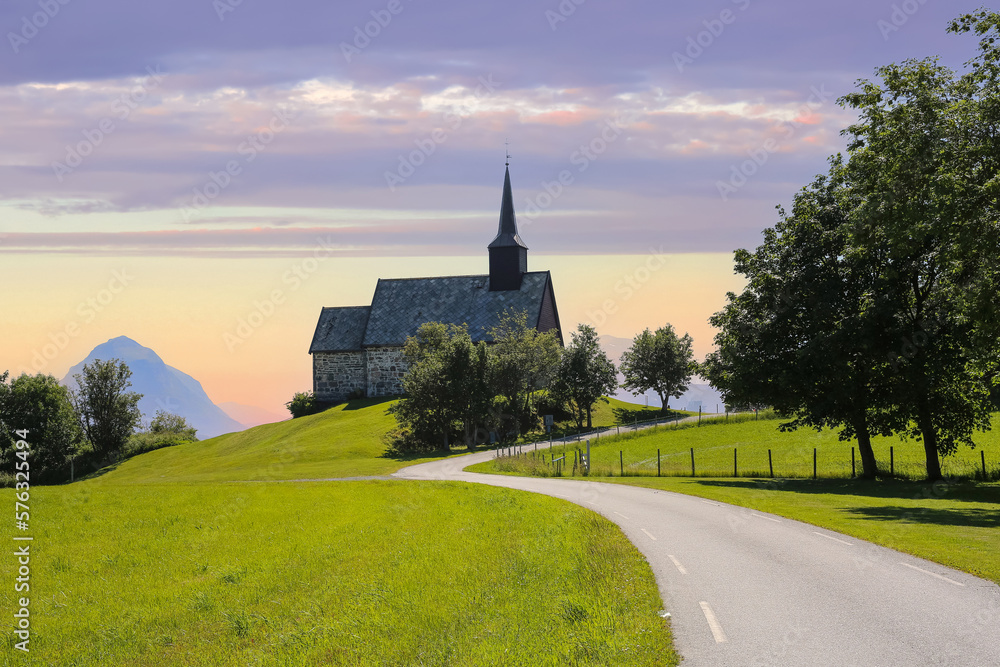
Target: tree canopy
109, 412
662, 362
585, 374
42, 406
875, 305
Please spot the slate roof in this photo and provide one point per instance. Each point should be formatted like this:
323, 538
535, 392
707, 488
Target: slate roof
340, 329
400, 306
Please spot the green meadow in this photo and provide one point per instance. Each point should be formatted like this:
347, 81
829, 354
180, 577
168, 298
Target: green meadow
177, 557
954, 522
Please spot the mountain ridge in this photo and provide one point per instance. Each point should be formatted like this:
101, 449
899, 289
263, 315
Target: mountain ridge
163, 387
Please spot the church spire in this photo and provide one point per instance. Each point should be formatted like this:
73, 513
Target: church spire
508, 253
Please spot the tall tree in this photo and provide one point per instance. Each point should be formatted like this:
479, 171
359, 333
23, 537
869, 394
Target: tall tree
523, 361
585, 374
800, 337
41, 405
923, 155
446, 388
109, 412
662, 362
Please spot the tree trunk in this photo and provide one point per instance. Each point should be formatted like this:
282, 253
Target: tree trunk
663, 403
869, 466
926, 425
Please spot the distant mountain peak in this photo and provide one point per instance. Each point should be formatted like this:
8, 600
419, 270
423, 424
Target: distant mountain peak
163, 387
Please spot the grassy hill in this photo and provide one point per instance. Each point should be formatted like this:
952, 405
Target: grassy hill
175, 558
344, 441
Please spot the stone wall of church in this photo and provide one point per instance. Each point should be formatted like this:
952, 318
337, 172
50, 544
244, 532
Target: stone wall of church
386, 368
337, 374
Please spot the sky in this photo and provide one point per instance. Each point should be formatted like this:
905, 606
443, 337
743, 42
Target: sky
204, 175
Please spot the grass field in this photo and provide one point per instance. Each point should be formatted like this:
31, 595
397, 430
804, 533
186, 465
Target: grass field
954, 523
198, 555
345, 441
349, 573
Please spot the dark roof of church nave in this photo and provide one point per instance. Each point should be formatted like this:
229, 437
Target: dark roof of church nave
400, 306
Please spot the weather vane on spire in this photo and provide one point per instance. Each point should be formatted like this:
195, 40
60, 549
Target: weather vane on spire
507, 151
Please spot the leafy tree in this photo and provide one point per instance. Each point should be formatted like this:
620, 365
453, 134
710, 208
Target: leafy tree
303, 403
924, 158
446, 388
166, 430
109, 413
801, 336
41, 405
169, 423
523, 361
661, 361
585, 374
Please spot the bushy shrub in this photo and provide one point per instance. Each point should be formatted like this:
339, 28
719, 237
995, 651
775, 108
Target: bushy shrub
302, 404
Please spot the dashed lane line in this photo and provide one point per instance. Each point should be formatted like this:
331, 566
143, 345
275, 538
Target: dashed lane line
677, 564
933, 574
713, 623
623, 516
648, 534
833, 538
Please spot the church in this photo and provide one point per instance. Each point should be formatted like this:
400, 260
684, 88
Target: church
359, 349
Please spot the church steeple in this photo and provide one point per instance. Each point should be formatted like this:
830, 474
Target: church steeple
508, 254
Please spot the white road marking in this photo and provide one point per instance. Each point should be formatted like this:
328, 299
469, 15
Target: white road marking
590, 502
761, 516
707, 502
933, 574
648, 534
713, 624
680, 568
623, 516
833, 538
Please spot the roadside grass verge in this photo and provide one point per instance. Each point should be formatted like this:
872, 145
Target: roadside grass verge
344, 573
344, 441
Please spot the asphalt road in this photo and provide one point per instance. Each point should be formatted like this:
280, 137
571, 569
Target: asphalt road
747, 589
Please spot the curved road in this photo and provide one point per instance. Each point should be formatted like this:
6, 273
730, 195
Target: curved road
748, 589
